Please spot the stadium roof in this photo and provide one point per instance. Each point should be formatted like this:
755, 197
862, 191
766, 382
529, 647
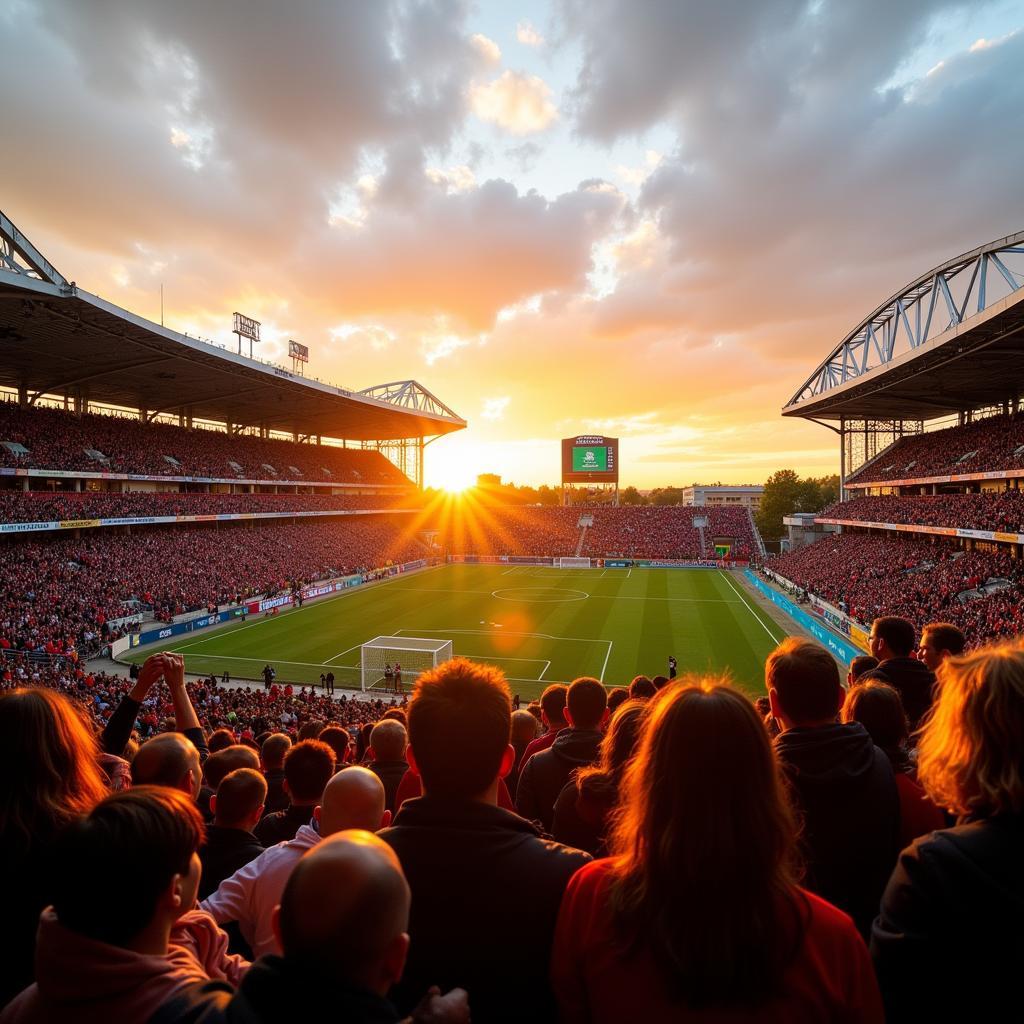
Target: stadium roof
56, 338
951, 341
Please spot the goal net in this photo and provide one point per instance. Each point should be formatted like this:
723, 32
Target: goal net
573, 563
380, 656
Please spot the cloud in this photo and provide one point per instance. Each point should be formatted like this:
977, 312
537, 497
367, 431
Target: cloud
517, 102
494, 408
638, 175
528, 35
486, 47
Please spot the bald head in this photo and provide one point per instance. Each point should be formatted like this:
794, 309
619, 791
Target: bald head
345, 910
353, 799
389, 740
169, 759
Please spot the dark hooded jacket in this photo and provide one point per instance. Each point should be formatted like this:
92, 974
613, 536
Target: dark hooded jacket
845, 795
913, 680
545, 774
274, 990
486, 889
949, 941
582, 811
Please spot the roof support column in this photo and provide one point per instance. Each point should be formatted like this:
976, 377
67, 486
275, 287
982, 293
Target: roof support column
22, 396
842, 458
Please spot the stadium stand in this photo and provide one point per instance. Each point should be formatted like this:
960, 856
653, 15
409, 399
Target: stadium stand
48, 438
989, 510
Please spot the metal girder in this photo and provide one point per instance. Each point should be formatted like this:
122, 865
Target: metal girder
19, 256
888, 332
410, 394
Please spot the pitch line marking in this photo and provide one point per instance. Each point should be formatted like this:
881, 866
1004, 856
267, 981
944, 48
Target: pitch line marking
505, 632
539, 600
750, 607
607, 655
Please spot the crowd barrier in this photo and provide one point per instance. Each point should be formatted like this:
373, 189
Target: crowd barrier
939, 531
844, 651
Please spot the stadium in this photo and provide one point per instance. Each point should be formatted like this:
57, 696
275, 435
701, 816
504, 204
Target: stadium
297, 723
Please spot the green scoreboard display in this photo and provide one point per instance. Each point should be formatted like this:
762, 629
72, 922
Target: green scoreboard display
590, 459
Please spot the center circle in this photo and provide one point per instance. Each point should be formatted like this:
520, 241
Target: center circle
539, 594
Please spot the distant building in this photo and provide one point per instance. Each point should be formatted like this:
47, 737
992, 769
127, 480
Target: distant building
488, 480
740, 496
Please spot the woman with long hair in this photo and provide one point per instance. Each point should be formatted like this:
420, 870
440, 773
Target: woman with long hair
584, 806
697, 913
49, 775
950, 936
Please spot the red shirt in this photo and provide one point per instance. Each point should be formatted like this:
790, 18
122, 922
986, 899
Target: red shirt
539, 744
831, 978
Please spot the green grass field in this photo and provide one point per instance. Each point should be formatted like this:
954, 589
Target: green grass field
540, 625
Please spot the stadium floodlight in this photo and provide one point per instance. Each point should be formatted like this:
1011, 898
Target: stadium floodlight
414, 654
573, 563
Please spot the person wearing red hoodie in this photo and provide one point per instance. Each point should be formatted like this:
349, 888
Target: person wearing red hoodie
116, 952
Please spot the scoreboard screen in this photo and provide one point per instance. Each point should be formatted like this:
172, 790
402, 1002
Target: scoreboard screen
590, 459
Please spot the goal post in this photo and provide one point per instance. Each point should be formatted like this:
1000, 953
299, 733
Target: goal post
413, 654
573, 563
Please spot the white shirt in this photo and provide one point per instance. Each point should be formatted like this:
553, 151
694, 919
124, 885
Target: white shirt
251, 893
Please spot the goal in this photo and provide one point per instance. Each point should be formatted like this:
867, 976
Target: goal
415, 655
573, 563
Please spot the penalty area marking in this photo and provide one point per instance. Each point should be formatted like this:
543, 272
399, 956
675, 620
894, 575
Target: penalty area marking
583, 595
750, 607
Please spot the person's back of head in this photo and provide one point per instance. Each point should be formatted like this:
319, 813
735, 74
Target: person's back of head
311, 730
48, 764
129, 866
552, 705
803, 684
859, 665
641, 688
587, 704
703, 846
226, 760
892, 637
460, 721
388, 740
969, 753
344, 913
397, 714
354, 798
940, 640
617, 747
524, 727
878, 707
660, 682
339, 740
238, 802
219, 739
273, 750
617, 696
169, 759
308, 766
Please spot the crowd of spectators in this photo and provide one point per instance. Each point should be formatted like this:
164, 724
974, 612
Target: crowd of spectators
627, 531
867, 575
987, 445
55, 439
60, 594
184, 853
45, 506
1002, 511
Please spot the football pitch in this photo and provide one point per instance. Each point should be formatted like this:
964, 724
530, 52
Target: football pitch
538, 624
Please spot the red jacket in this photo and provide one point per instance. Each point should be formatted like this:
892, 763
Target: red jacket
831, 978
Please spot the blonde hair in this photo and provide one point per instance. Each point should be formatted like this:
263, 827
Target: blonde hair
969, 755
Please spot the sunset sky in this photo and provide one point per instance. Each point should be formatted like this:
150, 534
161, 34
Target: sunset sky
644, 218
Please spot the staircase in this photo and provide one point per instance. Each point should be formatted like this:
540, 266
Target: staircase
584, 524
757, 533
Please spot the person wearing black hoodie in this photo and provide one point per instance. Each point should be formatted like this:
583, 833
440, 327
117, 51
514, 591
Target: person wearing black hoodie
891, 641
544, 776
841, 783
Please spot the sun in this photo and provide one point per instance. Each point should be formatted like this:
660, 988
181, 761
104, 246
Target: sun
453, 479
451, 468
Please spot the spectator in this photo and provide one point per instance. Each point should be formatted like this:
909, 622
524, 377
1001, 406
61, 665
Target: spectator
218, 766
339, 741
939, 641
697, 914
877, 706
524, 732
308, 767
272, 755
342, 930
641, 688
545, 774
947, 944
858, 666
842, 784
388, 741
616, 696
552, 716
891, 641
583, 807
171, 760
116, 952
237, 807
468, 861
50, 777
353, 798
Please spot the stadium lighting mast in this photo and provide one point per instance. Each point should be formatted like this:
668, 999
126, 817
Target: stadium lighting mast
246, 327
